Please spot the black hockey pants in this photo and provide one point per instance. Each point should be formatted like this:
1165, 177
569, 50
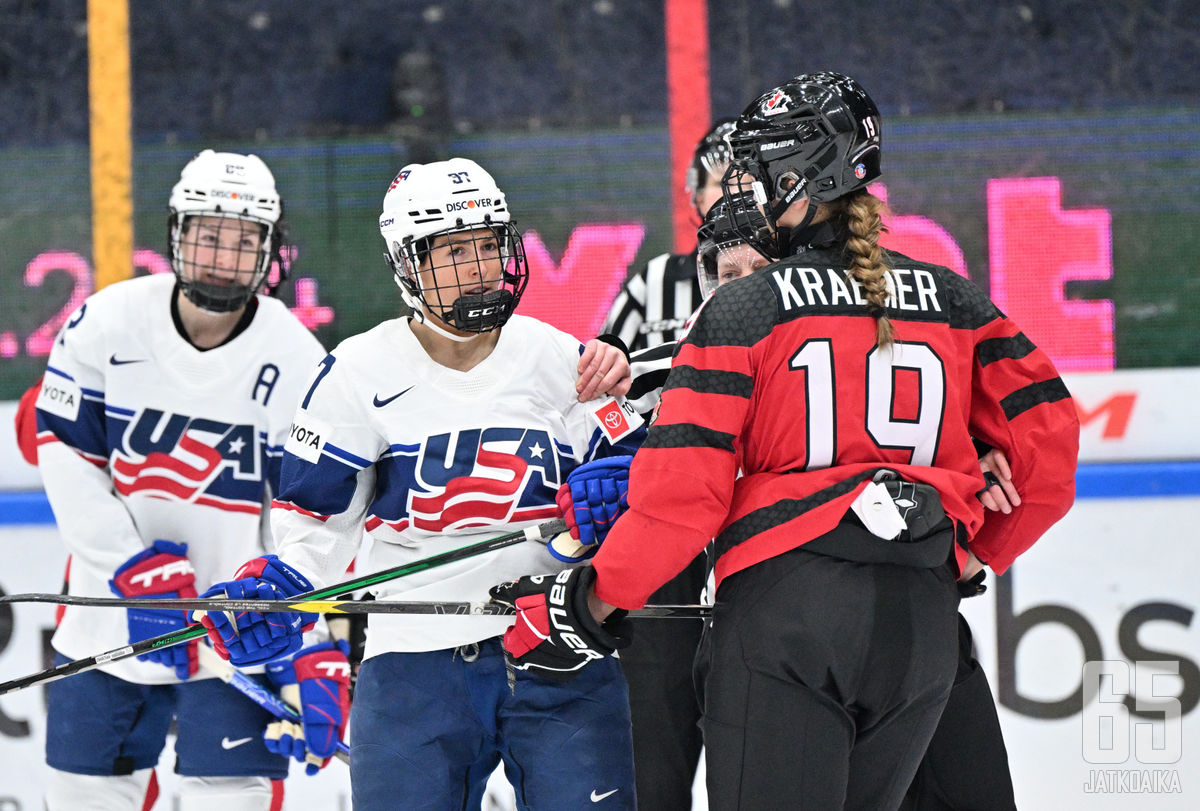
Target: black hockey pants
827, 677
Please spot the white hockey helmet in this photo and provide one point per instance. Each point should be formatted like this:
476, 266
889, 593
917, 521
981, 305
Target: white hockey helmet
425, 201
226, 184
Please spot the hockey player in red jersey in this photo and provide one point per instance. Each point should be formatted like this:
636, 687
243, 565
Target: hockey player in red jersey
845, 383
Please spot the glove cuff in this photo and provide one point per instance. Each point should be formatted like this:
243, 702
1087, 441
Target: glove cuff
974, 586
602, 639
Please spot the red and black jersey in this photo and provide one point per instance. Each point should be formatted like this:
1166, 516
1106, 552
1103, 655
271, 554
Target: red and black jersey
781, 379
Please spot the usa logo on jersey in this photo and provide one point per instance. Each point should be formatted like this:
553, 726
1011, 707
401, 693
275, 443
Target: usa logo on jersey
469, 478
182, 458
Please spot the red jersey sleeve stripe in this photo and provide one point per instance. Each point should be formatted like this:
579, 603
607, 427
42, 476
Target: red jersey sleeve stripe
1015, 347
1023, 399
688, 435
709, 381
731, 358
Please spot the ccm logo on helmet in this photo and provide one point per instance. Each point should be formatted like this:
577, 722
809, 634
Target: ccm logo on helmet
459, 205
235, 169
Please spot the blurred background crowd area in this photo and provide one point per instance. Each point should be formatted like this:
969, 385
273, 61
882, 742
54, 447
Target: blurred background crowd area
566, 103
279, 68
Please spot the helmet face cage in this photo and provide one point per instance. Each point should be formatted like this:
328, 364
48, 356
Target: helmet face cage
817, 135
222, 260
471, 277
722, 246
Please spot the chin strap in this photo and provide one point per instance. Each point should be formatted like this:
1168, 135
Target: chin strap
420, 315
783, 233
798, 233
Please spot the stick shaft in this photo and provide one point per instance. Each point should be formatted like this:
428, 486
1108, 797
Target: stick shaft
546, 529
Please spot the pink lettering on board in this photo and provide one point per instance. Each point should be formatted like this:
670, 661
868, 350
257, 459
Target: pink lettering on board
1034, 248
574, 294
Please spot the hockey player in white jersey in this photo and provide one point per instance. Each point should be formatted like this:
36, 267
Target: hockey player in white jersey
459, 423
161, 423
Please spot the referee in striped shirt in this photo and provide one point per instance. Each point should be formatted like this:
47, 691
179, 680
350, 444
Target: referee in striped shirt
649, 315
656, 301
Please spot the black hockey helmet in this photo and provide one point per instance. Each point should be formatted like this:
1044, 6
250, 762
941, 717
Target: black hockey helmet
722, 233
817, 134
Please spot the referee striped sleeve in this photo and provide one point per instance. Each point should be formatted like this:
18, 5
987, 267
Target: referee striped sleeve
649, 368
655, 302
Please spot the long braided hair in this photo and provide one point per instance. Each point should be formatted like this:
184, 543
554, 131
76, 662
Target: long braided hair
862, 214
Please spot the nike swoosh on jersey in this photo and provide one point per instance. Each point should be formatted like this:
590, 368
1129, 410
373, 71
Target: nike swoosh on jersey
113, 360
228, 744
598, 797
381, 403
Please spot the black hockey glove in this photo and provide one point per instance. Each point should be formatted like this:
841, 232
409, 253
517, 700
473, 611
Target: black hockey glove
972, 587
555, 634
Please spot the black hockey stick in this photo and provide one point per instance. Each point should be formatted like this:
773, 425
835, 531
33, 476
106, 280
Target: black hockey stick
538, 532
323, 606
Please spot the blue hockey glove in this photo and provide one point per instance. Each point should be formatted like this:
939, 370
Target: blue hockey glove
317, 679
257, 638
162, 570
555, 634
591, 499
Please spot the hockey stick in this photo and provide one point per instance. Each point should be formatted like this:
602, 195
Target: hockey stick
326, 606
537, 532
211, 661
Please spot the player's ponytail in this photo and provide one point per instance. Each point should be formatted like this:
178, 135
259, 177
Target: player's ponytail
863, 218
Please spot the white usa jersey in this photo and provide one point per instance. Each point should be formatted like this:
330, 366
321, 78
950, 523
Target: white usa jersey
429, 459
142, 437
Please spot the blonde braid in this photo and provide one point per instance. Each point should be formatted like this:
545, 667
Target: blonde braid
865, 222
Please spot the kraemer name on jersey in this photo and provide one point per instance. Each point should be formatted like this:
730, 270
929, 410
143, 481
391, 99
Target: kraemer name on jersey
832, 291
